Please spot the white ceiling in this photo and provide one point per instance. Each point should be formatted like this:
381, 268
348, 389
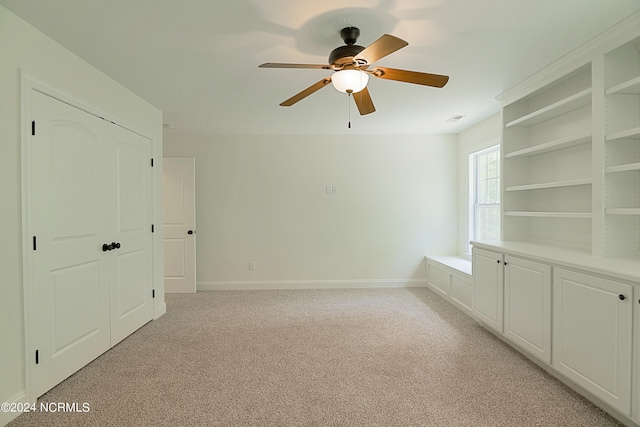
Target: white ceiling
197, 60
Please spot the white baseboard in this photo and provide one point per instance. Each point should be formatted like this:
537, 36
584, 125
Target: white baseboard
309, 284
6, 417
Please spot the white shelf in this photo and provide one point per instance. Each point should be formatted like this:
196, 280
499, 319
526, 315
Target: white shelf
558, 144
586, 215
622, 211
623, 168
557, 184
629, 87
629, 133
570, 103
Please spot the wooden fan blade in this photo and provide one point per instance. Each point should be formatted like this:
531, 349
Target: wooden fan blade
308, 91
380, 48
364, 102
280, 65
426, 79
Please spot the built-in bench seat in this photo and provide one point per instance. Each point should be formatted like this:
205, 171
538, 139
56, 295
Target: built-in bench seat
450, 276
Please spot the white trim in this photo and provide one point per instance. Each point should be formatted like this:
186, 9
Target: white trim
220, 285
28, 84
160, 309
621, 33
6, 417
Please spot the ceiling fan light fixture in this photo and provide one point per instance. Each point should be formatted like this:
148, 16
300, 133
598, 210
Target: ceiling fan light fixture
350, 81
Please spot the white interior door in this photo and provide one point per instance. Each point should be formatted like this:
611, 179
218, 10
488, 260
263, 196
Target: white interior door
131, 259
70, 272
179, 225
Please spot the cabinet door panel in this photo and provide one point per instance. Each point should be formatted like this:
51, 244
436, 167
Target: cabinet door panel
592, 335
488, 288
438, 279
462, 292
528, 306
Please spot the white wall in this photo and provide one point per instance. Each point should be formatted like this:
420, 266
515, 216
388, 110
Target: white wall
22, 47
262, 199
482, 135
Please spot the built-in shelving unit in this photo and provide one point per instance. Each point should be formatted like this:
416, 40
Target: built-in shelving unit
570, 199
622, 151
547, 163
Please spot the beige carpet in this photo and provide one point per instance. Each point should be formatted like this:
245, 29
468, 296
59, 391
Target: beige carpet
381, 357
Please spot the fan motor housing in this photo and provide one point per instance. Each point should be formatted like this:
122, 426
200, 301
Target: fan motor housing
344, 54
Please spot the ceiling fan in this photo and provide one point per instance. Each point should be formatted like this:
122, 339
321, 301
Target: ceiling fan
350, 64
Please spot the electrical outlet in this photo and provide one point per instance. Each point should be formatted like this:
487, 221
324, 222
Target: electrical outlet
252, 266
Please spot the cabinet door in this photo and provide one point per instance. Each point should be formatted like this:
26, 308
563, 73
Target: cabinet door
592, 335
527, 305
488, 288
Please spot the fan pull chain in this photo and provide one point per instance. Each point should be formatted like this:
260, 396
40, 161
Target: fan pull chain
349, 108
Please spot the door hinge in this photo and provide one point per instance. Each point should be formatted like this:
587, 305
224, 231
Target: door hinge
153, 293
33, 127
153, 228
34, 243
37, 357
152, 162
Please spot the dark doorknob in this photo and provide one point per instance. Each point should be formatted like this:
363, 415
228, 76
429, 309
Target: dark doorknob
190, 232
110, 247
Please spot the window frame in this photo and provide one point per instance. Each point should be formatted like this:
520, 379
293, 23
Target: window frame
473, 190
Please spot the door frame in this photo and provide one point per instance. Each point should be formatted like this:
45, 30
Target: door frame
29, 84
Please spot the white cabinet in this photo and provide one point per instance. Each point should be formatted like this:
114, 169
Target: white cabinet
488, 286
527, 305
513, 295
592, 335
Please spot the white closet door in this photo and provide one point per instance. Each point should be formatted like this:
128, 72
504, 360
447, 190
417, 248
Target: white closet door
131, 206
70, 272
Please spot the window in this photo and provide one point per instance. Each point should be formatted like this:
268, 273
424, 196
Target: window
485, 194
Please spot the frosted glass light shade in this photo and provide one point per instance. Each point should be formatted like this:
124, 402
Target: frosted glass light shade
350, 80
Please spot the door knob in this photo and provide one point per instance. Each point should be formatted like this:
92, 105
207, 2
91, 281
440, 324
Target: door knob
190, 232
110, 247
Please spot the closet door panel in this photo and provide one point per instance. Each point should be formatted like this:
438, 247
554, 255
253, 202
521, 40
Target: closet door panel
131, 279
70, 272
